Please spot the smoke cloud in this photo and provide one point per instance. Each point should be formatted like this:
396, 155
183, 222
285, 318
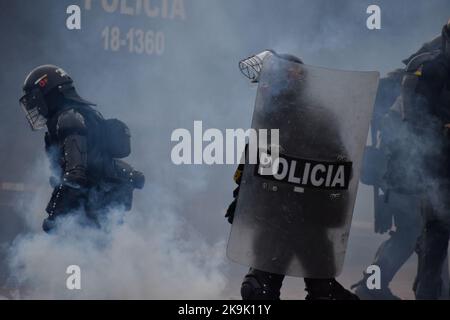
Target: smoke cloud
148, 254
172, 244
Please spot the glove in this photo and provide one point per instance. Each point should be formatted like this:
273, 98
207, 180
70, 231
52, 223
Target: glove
54, 181
230, 211
49, 224
138, 179
232, 207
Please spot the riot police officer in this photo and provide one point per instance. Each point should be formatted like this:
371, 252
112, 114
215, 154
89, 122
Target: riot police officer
426, 90
397, 142
262, 285
83, 148
396, 192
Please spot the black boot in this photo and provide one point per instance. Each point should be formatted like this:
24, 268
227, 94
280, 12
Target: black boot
260, 285
327, 289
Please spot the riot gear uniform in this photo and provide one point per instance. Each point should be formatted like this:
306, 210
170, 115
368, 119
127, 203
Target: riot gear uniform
87, 176
427, 87
401, 187
396, 203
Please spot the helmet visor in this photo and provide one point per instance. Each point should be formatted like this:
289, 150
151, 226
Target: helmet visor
252, 66
32, 103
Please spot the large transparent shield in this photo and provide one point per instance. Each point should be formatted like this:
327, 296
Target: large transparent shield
297, 221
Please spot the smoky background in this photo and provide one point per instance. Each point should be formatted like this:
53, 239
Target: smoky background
196, 78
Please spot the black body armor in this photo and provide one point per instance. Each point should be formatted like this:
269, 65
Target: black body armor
87, 175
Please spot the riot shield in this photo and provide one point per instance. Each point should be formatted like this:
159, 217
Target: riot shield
297, 221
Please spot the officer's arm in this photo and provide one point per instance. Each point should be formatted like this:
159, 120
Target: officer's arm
237, 179
409, 85
71, 132
71, 136
423, 79
433, 80
232, 207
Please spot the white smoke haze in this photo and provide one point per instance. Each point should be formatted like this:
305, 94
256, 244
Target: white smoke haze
151, 254
172, 244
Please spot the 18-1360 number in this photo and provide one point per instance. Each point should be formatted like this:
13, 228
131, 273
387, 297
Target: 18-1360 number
136, 41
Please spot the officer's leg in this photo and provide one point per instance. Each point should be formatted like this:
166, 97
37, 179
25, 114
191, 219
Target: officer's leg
432, 250
395, 251
390, 257
260, 285
392, 254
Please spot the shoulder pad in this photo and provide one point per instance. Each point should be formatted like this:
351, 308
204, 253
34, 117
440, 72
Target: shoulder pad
91, 111
69, 122
420, 59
